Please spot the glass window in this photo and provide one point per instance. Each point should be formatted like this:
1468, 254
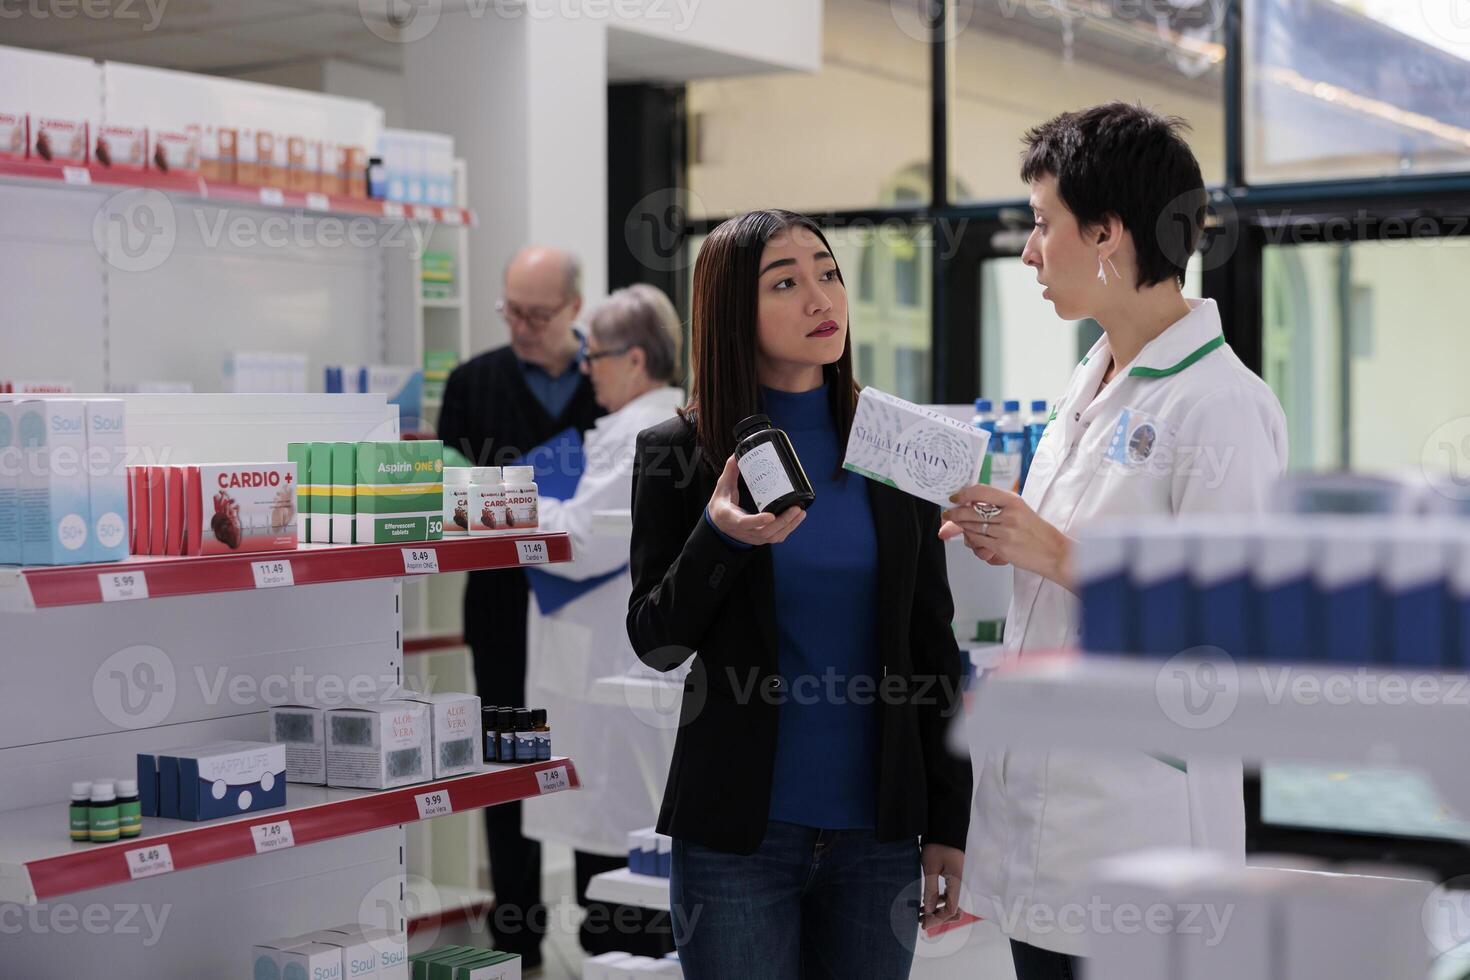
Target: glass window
1356, 88
1016, 64
1364, 344
840, 139
1025, 351
887, 271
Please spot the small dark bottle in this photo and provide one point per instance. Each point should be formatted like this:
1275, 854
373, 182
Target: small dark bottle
487, 727
768, 462
525, 739
376, 177
505, 735
542, 731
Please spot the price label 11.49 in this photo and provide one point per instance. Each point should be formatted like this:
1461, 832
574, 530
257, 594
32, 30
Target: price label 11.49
272, 574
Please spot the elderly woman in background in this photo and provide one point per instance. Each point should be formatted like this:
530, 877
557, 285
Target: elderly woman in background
632, 355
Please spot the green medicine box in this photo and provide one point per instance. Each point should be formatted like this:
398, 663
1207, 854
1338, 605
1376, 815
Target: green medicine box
400, 491
422, 962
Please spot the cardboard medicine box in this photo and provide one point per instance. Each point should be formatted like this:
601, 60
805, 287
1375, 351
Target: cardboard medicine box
915, 449
400, 491
244, 507
378, 746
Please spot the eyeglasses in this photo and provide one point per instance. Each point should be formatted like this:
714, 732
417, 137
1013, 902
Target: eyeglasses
536, 318
590, 356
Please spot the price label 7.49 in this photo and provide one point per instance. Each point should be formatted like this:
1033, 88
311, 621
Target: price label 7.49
553, 780
273, 836
120, 586
435, 804
420, 561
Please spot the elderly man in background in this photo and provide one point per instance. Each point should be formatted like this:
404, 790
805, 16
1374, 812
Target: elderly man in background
496, 408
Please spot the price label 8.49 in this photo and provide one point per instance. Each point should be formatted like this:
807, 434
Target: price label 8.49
420, 561
145, 862
120, 586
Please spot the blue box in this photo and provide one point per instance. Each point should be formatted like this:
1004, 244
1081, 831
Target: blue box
1100, 571
148, 784
1414, 595
1345, 582
9, 486
1159, 571
1281, 577
239, 777
55, 516
1220, 577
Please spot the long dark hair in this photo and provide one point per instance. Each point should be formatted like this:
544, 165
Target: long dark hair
725, 386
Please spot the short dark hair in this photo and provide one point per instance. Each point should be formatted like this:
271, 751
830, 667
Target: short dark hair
1129, 161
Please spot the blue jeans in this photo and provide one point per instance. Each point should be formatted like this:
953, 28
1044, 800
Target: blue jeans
807, 904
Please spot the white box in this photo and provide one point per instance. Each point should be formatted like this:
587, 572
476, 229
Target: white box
1137, 883
265, 958
107, 478
1349, 925
456, 731
315, 960
916, 449
55, 515
359, 957
379, 746
600, 967
300, 728
392, 949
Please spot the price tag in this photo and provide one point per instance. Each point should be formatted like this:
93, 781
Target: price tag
435, 804
272, 836
272, 574
76, 175
553, 780
118, 586
145, 862
421, 213
392, 209
318, 202
420, 561
273, 197
532, 552
451, 216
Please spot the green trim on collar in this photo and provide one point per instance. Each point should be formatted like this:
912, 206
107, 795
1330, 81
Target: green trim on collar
1085, 357
1144, 372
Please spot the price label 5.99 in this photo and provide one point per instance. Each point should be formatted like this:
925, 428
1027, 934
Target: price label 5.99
119, 586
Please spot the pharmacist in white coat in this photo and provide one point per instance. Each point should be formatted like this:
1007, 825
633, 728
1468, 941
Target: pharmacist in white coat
1160, 418
622, 756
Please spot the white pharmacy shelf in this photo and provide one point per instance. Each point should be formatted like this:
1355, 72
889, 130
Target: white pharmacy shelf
624, 887
38, 862
1343, 715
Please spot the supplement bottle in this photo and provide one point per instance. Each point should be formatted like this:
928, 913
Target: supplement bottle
456, 501
80, 811
769, 466
505, 735
102, 815
521, 498
542, 731
1008, 446
984, 417
525, 750
488, 744
129, 809
1035, 426
486, 497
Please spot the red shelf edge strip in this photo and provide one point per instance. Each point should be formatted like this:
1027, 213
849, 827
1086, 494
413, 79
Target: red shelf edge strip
216, 842
78, 584
194, 185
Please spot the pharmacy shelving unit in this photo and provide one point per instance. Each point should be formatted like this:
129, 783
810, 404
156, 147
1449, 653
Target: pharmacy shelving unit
624, 887
1257, 712
89, 684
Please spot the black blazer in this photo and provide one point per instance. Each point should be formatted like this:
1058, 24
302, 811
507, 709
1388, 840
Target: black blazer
692, 591
491, 416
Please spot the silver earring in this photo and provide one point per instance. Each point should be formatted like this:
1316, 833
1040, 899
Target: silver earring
1102, 275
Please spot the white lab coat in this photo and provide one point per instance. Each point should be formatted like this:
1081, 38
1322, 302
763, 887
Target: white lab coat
621, 759
1042, 817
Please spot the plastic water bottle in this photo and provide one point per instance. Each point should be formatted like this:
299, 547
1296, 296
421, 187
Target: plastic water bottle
984, 417
1009, 448
1035, 426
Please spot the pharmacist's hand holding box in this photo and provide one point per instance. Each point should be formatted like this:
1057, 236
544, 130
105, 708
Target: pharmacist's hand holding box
1002, 529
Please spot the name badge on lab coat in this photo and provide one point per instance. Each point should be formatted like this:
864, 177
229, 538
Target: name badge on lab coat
1142, 442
